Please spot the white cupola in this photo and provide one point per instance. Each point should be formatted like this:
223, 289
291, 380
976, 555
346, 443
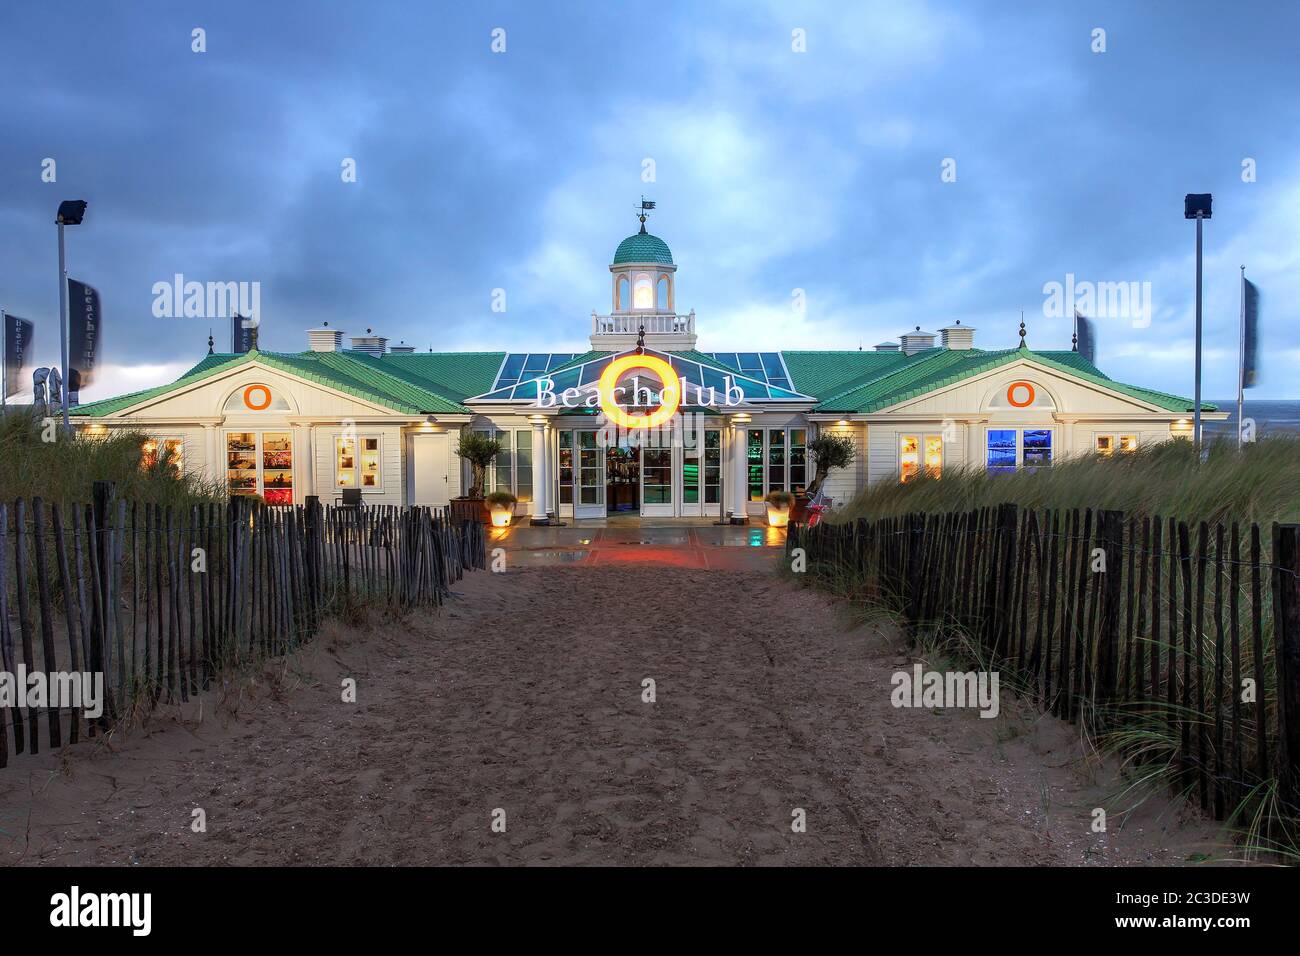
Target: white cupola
643, 298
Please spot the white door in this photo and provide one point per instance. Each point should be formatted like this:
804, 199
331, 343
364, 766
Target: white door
430, 476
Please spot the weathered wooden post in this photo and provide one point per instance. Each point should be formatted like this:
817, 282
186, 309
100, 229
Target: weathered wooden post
1286, 644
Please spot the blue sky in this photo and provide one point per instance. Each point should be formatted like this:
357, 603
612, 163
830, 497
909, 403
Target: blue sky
774, 170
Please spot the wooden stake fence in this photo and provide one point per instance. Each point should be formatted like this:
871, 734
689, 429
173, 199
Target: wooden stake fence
158, 600
1112, 619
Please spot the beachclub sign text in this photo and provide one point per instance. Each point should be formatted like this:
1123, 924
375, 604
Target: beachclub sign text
662, 403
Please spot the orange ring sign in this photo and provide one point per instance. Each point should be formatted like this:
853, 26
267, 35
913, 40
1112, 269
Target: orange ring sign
1011, 394
257, 406
670, 395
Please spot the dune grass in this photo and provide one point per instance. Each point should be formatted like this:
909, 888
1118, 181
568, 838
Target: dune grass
1261, 484
64, 470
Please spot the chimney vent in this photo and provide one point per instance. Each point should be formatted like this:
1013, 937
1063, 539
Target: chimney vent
324, 339
917, 341
369, 343
957, 336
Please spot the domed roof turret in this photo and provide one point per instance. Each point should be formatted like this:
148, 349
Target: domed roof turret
643, 247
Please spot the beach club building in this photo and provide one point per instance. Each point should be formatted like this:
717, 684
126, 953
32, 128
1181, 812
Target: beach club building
382, 421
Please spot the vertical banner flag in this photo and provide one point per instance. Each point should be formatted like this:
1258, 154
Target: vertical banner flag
18, 347
243, 335
1087, 337
1250, 335
85, 327
55, 386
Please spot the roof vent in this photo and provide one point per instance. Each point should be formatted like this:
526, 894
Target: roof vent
957, 336
916, 341
324, 339
888, 347
401, 347
370, 343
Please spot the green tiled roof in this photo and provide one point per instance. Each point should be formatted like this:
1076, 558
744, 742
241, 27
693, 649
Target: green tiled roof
852, 382
933, 369
643, 247
827, 372
344, 371
455, 375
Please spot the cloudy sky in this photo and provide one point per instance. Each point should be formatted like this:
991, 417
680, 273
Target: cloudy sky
775, 169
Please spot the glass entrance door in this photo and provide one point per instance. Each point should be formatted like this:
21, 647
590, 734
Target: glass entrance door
623, 479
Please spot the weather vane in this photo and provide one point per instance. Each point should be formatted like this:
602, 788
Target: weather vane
645, 204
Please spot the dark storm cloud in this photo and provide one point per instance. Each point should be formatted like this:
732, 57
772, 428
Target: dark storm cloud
775, 171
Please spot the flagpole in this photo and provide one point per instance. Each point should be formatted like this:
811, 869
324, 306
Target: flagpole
1241, 356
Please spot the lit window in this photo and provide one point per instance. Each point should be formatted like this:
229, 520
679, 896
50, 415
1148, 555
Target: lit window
358, 467
910, 460
934, 455
643, 295
172, 452
909, 456
1107, 444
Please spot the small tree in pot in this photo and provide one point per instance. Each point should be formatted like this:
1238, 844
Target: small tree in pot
829, 451
479, 450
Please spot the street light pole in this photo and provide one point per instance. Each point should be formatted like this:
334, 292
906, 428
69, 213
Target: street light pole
63, 329
1197, 206
71, 212
1196, 423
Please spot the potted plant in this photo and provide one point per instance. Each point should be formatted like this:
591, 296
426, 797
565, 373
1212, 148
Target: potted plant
829, 450
479, 449
778, 508
501, 505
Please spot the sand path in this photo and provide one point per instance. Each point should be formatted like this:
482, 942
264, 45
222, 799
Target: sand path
525, 694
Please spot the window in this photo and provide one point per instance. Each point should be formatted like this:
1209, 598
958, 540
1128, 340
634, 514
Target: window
656, 476
566, 468
776, 460
255, 398
1001, 450
920, 451
1036, 447
524, 465
690, 476
260, 463
909, 456
622, 300
754, 457
1008, 448
277, 468
591, 470
643, 296
798, 460
712, 466
358, 462
1107, 444
512, 469
173, 452
661, 298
